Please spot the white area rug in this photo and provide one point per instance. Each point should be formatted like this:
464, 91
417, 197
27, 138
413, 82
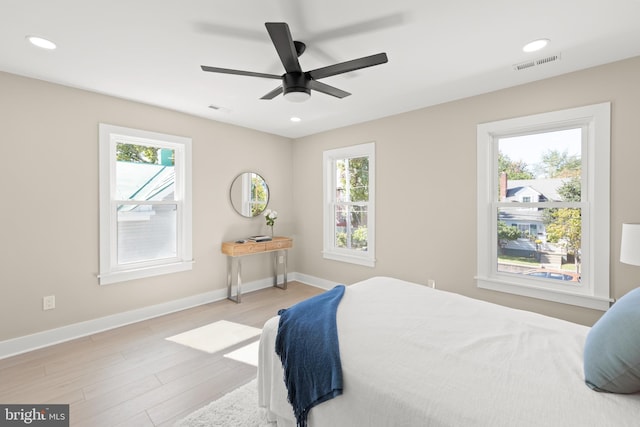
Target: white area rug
236, 409
216, 336
247, 354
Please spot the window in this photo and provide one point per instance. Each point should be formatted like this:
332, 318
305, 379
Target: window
543, 206
145, 204
349, 210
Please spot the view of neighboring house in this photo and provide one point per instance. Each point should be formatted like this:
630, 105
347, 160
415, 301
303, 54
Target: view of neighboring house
146, 211
530, 220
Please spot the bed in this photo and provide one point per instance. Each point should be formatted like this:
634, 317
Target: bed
416, 356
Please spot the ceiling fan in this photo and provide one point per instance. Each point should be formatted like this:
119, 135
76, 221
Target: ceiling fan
297, 84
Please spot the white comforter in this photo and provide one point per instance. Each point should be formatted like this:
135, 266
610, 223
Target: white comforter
415, 356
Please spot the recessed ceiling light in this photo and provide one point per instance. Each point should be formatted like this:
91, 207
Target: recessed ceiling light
535, 45
42, 43
295, 119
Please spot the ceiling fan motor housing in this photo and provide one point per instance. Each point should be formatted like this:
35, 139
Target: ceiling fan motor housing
295, 82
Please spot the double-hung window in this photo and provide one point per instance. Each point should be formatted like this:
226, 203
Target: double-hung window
349, 208
543, 206
145, 204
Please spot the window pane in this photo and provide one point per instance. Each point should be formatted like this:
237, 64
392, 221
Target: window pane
352, 179
359, 220
341, 227
542, 167
259, 194
540, 242
146, 233
144, 173
351, 227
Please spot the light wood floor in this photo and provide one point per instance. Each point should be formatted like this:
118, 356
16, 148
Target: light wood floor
131, 376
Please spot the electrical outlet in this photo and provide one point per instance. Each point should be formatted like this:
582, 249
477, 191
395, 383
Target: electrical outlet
49, 303
280, 259
431, 283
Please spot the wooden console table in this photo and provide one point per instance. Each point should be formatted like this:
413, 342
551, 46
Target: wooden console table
235, 251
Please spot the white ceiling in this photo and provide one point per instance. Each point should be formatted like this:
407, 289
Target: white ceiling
151, 51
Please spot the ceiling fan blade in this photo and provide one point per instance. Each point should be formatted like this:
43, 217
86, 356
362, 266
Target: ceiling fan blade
239, 72
329, 90
277, 91
281, 38
357, 28
345, 67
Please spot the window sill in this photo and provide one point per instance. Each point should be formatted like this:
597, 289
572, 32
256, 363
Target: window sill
367, 262
580, 300
141, 273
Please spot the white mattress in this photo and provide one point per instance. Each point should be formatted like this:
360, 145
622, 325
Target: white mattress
415, 356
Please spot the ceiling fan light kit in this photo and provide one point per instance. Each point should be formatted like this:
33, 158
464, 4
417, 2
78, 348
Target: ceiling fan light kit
297, 95
297, 84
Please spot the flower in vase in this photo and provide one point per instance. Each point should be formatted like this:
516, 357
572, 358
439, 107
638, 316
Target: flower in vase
270, 216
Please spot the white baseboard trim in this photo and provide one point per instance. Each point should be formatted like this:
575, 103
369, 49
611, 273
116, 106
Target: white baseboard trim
15, 346
314, 281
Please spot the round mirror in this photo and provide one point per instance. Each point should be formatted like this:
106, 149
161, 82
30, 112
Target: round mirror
249, 194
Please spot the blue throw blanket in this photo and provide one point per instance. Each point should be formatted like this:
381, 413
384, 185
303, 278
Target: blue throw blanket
307, 344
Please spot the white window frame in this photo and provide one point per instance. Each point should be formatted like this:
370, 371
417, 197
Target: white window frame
247, 200
593, 291
330, 251
110, 270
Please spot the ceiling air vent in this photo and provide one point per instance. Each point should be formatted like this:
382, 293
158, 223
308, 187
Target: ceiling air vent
524, 65
536, 62
219, 108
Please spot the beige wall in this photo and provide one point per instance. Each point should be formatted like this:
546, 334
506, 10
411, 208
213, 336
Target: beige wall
426, 184
49, 213
426, 194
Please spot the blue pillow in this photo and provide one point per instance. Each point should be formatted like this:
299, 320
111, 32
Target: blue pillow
612, 348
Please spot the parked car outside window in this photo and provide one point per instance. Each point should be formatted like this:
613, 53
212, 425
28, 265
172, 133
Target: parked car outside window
553, 274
